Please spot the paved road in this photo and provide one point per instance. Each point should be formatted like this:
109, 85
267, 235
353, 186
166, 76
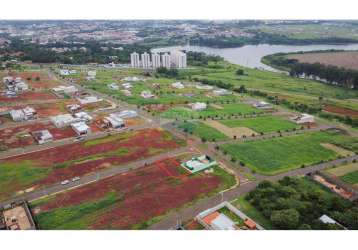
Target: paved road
188, 213
99, 175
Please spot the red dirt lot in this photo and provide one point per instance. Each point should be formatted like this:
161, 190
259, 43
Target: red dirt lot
145, 193
11, 137
29, 96
82, 158
44, 81
341, 111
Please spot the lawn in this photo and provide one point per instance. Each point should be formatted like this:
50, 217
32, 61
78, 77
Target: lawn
351, 178
273, 156
220, 111
242, 204
202, 131
262, 124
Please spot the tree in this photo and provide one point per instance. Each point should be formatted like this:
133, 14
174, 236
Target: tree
242, 89
285, 219
239, 72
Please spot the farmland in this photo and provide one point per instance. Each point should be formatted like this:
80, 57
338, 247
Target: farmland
202, 131
133, 200
281, 154
344, 59
55, 164
347, 173
262, 124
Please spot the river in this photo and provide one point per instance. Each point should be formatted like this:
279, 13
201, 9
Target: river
250, 55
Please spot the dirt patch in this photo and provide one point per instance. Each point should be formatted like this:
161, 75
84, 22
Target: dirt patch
37, 80
338, 150
341, 111
29, 96
230, 132
144, 194
216, 106
347, 59
342, 170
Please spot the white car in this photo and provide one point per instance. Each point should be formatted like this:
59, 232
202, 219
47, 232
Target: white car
65, 182
75, 178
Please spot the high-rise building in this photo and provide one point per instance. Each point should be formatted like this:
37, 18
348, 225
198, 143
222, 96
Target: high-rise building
155, 60
179, 59
166, 60
135, 60
145, 60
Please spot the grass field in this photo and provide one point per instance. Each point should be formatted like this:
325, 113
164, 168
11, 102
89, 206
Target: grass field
281, 154
351, 178
342, 170
224, 110
202, 131
262, 124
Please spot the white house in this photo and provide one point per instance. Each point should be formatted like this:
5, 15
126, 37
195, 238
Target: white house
198, 106
113, 86
24, 114
65, 89
146, 94
178, 85
125, 114
61, 121
42, 136
88, 99
114, 121
81, 128
83, 116
221, 92
303, 118
91, 75
262, 105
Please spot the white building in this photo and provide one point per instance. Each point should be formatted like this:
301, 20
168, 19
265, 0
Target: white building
198, 106
42, 136
81, 128
178, 59
65, 120
24, 114
221, 92
114, 121
15, 84
262, 105
177, 85
65, 89
127, 85
73, 107
67, 72
146, 94
113, 86
89, 99
83, 116
91, 75
125, 114
156, 60
145, 57
303, 118
135, 63
166, 60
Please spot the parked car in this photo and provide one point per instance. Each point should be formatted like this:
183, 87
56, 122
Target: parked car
76, 178
65, 182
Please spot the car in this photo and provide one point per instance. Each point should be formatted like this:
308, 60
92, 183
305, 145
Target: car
65, 182
77, 178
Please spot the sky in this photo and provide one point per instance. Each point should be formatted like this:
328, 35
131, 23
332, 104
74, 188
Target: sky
178, 9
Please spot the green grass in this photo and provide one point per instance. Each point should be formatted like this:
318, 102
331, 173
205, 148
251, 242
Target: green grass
242, 204
226, 110
232, 216
281, 154
202, 131
75, 217
351, 178
262, 124
228, 180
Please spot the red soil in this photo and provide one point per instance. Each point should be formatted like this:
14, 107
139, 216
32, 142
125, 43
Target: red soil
341, 111
44, 81
139, 144
9, 136
157, 107
145, 192
29, 96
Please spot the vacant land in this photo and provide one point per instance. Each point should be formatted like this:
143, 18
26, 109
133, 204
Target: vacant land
202, 131
351, 178
262, 124
133, 200
56, 164
281, 154
347, 173
230, 132
344, 59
